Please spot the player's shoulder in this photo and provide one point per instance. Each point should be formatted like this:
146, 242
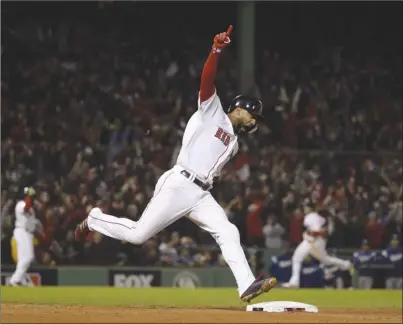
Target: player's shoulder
311, 215
20, 205
211, 100
316, 215
212, 107
195, 118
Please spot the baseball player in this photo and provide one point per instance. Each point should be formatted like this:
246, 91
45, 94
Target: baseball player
362, 259
210, 140
26, 225
332, 275
393, 253
313, 243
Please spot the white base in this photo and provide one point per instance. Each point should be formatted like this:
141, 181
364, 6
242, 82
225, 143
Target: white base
282, 306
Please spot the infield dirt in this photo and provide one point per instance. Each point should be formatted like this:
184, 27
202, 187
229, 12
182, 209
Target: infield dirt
28, 313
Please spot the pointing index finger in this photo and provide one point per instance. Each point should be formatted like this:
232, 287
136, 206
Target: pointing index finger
229, 31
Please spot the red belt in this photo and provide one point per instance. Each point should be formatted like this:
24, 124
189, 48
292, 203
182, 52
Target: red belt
317, 234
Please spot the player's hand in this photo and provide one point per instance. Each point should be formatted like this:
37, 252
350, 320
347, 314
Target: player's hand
222, 40
29, 191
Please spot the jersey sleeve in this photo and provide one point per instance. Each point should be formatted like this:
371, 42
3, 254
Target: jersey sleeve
318, 224
307, 221
19, 208
211, 108
314, 222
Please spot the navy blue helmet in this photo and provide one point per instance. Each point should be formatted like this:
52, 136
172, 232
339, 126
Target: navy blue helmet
250, 104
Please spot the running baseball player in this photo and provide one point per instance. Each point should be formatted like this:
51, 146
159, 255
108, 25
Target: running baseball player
313, 243
26, 224
210, 140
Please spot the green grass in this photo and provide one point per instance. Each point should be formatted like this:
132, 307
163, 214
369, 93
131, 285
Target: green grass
200, 297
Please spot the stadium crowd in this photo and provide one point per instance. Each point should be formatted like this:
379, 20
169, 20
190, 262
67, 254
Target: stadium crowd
92, 119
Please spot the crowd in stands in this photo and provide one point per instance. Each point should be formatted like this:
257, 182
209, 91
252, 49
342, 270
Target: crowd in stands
93, 119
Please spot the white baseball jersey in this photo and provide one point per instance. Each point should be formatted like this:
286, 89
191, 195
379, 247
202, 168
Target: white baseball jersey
209, 141
23, 219
314, 222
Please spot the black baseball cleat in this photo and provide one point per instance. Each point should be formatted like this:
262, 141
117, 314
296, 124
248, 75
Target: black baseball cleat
257, 288
82, 231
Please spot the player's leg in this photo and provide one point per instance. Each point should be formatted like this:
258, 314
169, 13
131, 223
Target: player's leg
169, 203
25, 255
298, 257
210, 216
318, 250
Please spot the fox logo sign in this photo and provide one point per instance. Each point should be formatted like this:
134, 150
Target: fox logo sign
121, 280
138, 279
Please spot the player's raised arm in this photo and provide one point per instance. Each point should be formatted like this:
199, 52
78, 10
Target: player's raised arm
29, 192
207, 87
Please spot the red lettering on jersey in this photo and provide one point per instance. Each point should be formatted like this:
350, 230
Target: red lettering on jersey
227, 140
219, 132
223, 136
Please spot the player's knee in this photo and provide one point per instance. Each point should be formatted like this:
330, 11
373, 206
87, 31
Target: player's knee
229, 232
234, 232
30, 259
26, 261
297, 258
325, 259
137, 238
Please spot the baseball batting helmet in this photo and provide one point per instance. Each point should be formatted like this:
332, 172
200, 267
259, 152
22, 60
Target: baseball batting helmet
250, 104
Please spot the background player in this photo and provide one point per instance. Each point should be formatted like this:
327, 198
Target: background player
393, 253
361, 260
313, 243
26, 225
210, 140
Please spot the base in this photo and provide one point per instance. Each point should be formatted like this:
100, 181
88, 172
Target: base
282, 306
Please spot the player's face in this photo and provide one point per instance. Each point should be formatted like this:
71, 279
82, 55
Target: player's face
246, 122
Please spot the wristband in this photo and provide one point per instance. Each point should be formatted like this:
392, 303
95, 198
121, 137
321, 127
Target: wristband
216, 50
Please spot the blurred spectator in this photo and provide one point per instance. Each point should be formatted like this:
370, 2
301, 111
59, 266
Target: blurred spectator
373, 231
296, 227
273, 232
354, 231
254, 222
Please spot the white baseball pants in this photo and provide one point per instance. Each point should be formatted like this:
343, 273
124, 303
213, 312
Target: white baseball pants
25, 254
176, 196
316, 247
